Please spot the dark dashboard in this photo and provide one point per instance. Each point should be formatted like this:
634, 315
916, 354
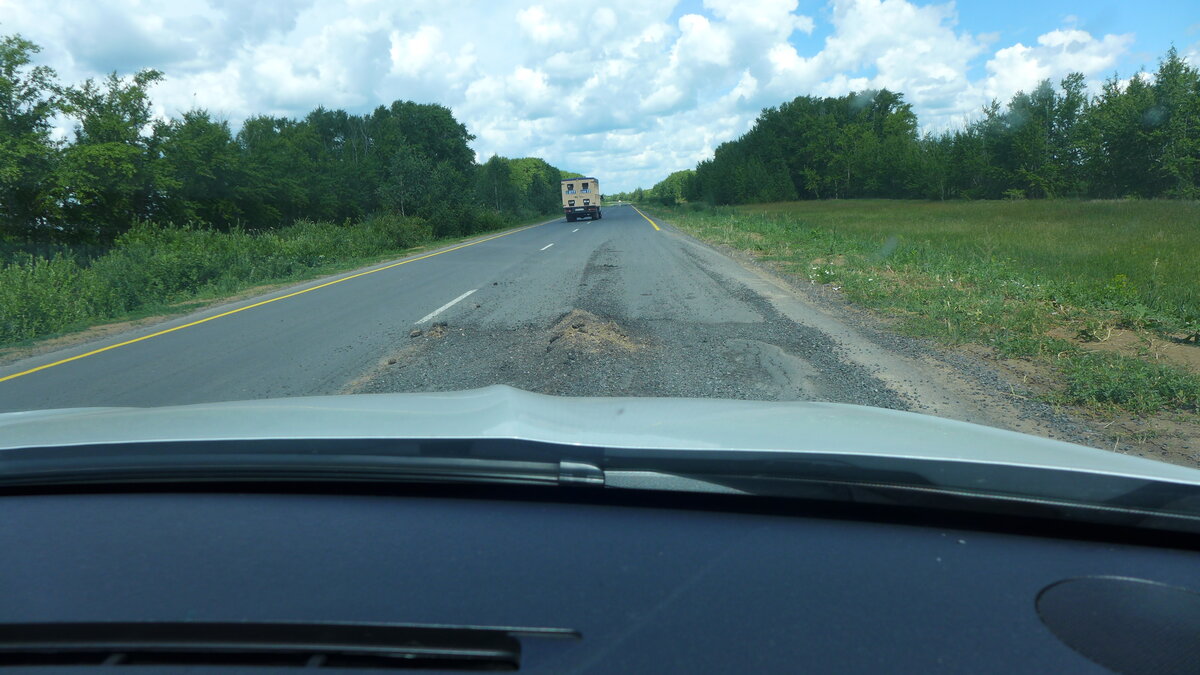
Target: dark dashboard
651, 582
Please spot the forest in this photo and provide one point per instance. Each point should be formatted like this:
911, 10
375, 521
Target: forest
132, 213
121, 165
1133, 139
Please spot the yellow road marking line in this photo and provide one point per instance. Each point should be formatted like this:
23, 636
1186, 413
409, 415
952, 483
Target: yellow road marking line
656, 227
260, 304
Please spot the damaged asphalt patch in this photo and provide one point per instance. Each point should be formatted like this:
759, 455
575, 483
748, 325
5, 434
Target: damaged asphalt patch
614, 342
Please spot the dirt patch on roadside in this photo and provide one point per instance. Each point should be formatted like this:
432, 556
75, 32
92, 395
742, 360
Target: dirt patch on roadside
581, 330
1170, 437
1167, 436
1035, 378
836, 261
1175, 351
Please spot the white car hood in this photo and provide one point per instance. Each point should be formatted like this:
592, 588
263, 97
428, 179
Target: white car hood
633, 424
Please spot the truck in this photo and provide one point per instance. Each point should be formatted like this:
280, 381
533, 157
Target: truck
581, 198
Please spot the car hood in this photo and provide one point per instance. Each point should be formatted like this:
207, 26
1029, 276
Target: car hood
621, 424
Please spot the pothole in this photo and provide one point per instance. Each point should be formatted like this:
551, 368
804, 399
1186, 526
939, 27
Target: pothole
583, 331
437, 330
791, 377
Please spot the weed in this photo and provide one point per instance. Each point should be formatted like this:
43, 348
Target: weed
1133, 384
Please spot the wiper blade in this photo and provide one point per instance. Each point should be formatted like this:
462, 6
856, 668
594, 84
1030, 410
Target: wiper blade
963, 486
192, 469
986, 487
331, 645
362, 460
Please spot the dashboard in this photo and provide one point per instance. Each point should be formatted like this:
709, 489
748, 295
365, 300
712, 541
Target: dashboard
649, 582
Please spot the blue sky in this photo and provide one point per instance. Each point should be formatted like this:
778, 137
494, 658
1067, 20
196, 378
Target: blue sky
637, 90
1155, 25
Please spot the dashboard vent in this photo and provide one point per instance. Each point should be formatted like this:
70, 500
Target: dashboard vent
299, 645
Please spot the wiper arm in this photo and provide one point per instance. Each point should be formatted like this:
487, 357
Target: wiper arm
1008, 489
330, 645
252, 467
1136, 504
370, 460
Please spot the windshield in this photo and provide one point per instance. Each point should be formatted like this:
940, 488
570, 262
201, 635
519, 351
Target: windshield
976, 213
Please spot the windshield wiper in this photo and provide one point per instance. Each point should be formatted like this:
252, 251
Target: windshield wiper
1005, 489
359, 460
329, 645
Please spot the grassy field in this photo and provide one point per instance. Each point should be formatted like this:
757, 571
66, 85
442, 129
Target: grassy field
1107, 293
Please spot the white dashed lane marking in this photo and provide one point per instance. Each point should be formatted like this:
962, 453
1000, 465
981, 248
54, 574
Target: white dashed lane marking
446, 306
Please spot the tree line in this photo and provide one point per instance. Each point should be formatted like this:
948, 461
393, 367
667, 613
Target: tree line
1138, 139
121, 165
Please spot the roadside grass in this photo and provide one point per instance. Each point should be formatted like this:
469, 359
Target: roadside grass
152, 270
1047, 280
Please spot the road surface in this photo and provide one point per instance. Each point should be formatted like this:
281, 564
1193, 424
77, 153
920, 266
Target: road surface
620, 306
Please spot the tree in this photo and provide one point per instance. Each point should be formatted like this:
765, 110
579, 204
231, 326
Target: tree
111, 175
495, 187
675, 188
1121, 154
1176, 133
408, 182
1028, 125
537, 184
204, 163
1067, 134
932, 178
278, 172
1136, 138
122, 166
28, 102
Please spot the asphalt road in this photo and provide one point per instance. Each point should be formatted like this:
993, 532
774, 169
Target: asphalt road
619, 306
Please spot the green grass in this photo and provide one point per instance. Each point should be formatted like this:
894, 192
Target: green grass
1013, 275
155, 269
1130, 383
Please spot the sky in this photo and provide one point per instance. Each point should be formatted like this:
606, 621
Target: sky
625, 90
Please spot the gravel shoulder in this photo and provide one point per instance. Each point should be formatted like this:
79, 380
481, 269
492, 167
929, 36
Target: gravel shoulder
969, 382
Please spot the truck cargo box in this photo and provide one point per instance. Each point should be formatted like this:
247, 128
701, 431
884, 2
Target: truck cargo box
581, 198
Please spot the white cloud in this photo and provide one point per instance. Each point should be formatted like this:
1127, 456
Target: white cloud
701, 42
631, 90
920, 51
414, 52
1192, 54
885, 43
1059, 52
544, 27
745, 89
665, 98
